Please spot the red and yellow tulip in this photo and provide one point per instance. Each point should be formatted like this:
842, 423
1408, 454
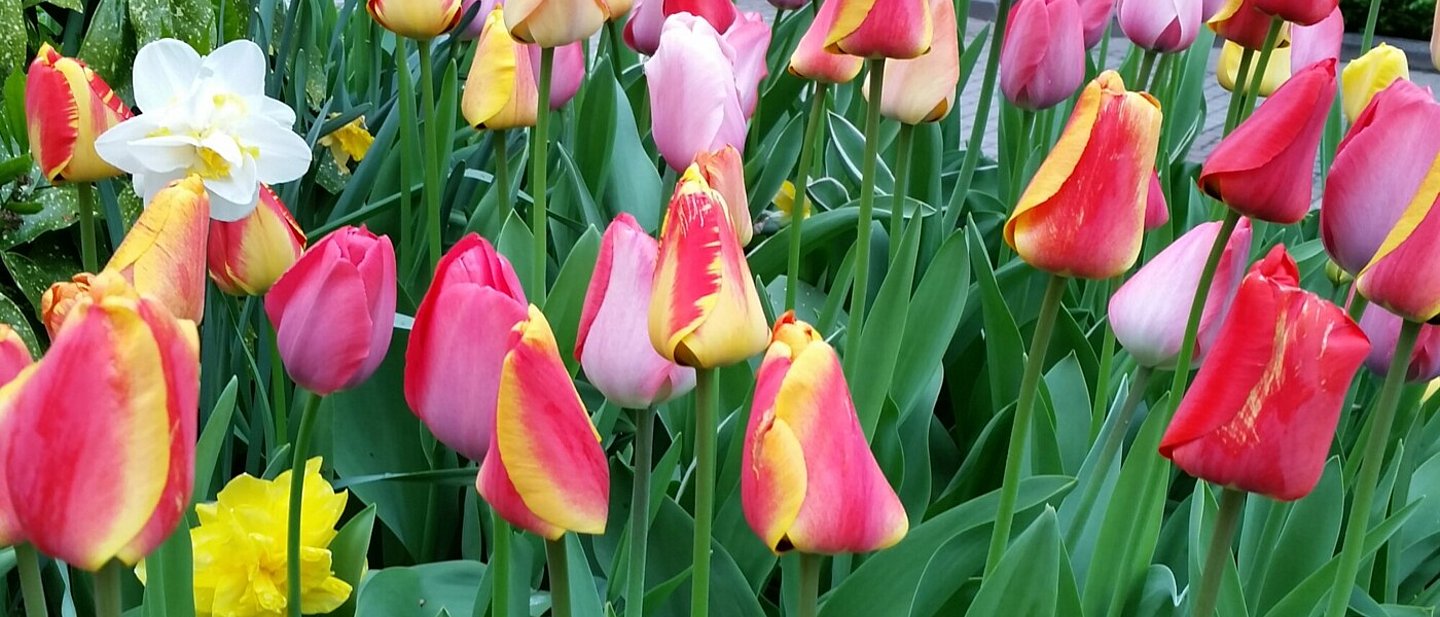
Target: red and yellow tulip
415, 19
1366, 76
881, 28
247, 256
725, 173
501, 90
811, 60
163, 255
66, 107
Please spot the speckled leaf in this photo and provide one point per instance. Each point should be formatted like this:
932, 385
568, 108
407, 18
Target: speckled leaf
35, 273
73, 5
105, 41
12, 36
195, 23
11, 315
151, 20
58, 210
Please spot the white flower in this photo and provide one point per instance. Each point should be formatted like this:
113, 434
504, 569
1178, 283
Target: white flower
209, 117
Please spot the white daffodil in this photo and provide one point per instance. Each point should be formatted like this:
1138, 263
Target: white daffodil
206, 116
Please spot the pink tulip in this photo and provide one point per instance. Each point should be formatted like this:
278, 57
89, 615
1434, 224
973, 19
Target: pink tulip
812, 61
1157, 212
470, 30
460, 337
749, 37
1166, 26
696, 100
334, 310
613, 344
1321, 41
923, 89
647, 19
1383, 328
1148, 312
1042, 61
1095, 15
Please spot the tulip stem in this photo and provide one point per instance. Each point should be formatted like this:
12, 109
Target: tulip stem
639, 513
1370, 463
539, 164
1147, 63
861, 292
86, 194
32, 588
500, 568
1367, 40
707, 398
982, 116
612, 35
297, 492
1237, 89
432, 154
107, 590
277, 390
1024, 410
1257, 77
501, 144
559, 577
1232, 503
902, 185
809, 585
1197, 308
407, 154
1108, 450
799, 205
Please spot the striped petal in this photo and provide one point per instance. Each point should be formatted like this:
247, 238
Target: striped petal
246, 257
881, 28
1401, 277
67, 106
163, 255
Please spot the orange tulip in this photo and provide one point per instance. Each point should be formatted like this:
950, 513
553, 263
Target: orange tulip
67, 106
725, 172
163, 256
247, 256
415, 19
881, 28
58, 301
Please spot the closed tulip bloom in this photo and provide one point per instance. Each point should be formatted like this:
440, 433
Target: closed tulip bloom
1166, 26
1148, 313
1157, 212
749, 37
554, 23
923, 89
1095, 15
66, 107
14, 358
1084, 212
544, 471
811, 60
1263, 169
1262, 412
1317, 42
1227, 69
1042, 60
61, 298
1377, 171
87, 491
613, 344
501, 90
705, 312
1301, 12
163, 255
695, 100
1243, 23
458, 342
1369, 74
809, 481
1383, 329
334, 310
725, 172
1401, 276
247, 256
647, 21
881, 28
415, 19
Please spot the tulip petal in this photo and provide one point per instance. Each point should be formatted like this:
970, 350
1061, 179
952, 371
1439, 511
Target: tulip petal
882, 29
810, 59
923, 89
552, 23
315, 295
163, 255
1399, 277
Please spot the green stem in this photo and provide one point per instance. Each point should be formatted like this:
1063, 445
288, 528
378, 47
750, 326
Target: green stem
502, 174
799, 205
500, 568
1021, 156
279, 402
1109, 449
297, 491
640, 513
707, 398
86, 193
1020, 430
982, 117
1367, 40
432, 155
1258, 76
1107, 359
902, 185
1232, 503
612, 35
1357, 307
559, 577
32, 588
860, 293
107, 590
539, 162
1147, 63
1370, 464
1237, 90
407, 154
1197, 308
809, 585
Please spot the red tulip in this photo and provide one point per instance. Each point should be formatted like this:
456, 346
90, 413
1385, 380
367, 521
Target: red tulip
1157, 212
1262, 412
1302, 12
1242, 22
334, 310
14, 358
1042, 60
1383, 328
881, 28
1263, 169
647, 20
66, 107
247, 256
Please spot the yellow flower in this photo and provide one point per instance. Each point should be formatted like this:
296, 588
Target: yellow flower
349, 142
785, 201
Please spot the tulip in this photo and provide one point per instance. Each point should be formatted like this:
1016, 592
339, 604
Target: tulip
811, 61
501, 90
696, 104
1241, 22
705, 312
1401, 277
1165, 26
809, 481
334, 310
1095, 15
1148, 313
1263, 168
1084, 212
1300, 12
91, 491
555, 23
1277, 71
1314, 43
1042, 60
473, 23
458, 343
415, 19
897, 29
923, 89
647, 21
1369, 74
1383, 329
66, 107
14, 358
1435, 40
613, 341
544, 471
1378, 169
1262, 412
246, 257
749, 38
163, 255
60, 299
1157, 212
725, 173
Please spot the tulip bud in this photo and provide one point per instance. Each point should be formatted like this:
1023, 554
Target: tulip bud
705, 312
1241, 22
163, 255
811, 60
1042, 60
247, 256
1095, 16
1084, 212
642, 32
695, 100
59, 301
749, 38
1300, 12
1401, 277
67, 106
1369, 74
1254, 170
923, 89
458, 343
881, 28
544, 471
1262, 411
1157, 212
1227, 69
725, 173
334, 310
1314, 43
415, 19
1149, 312
1383, 329
501, 90
555, 23
1166, 26
95, 491
613, 342
809, 481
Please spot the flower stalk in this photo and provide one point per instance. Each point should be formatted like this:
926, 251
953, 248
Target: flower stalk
1257, 76
707, 398
503, 201
982, 115
107, 590
640, 513
1197, 308
809, 585
432, 155
500, 568
88, 258
32, 587
861, 292
800, 204
1232, 503
903, 150
538, 165
297, 492
559, 577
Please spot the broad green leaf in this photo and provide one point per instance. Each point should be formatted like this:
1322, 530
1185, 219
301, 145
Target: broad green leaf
152, 20
169, 577
12, 36
1304, 598
11, 315
34, 273
567, 295
212, 441
935, 313
194, 22
59, 208
420, 591
1004, 348
1028, 579
516, 244
884, 331
348, 555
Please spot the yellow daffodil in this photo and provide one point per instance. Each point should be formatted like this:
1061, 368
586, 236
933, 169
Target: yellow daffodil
784, 201
349, 142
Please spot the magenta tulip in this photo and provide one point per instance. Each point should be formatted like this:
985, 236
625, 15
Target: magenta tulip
1095, 15
696, 99
1042, 61
648, 17
1383, 328
1314, 43
1166, 26
1157, 212
471, 29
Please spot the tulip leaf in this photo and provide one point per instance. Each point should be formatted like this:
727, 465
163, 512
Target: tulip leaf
1033, 578
169, 577
935, 313
1005, 360
15, 120
1306, 540
13, 39
348, 550
584, 596
59, 208
776, 164
567, 295
420, 591
1160, 596
515, 244
212, 440
11, 315
884, 331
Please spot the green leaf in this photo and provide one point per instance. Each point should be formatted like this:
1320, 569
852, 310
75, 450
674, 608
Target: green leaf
169, 577
1005, 358
15, 122
212, 440
105, 43
59, 208
35, 273
1028, 579
11, 315
516, 244
1306, 541
884, 331
348, 551
12, 36
567, 295
420, 591
935, 313
151, 20
195, 23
